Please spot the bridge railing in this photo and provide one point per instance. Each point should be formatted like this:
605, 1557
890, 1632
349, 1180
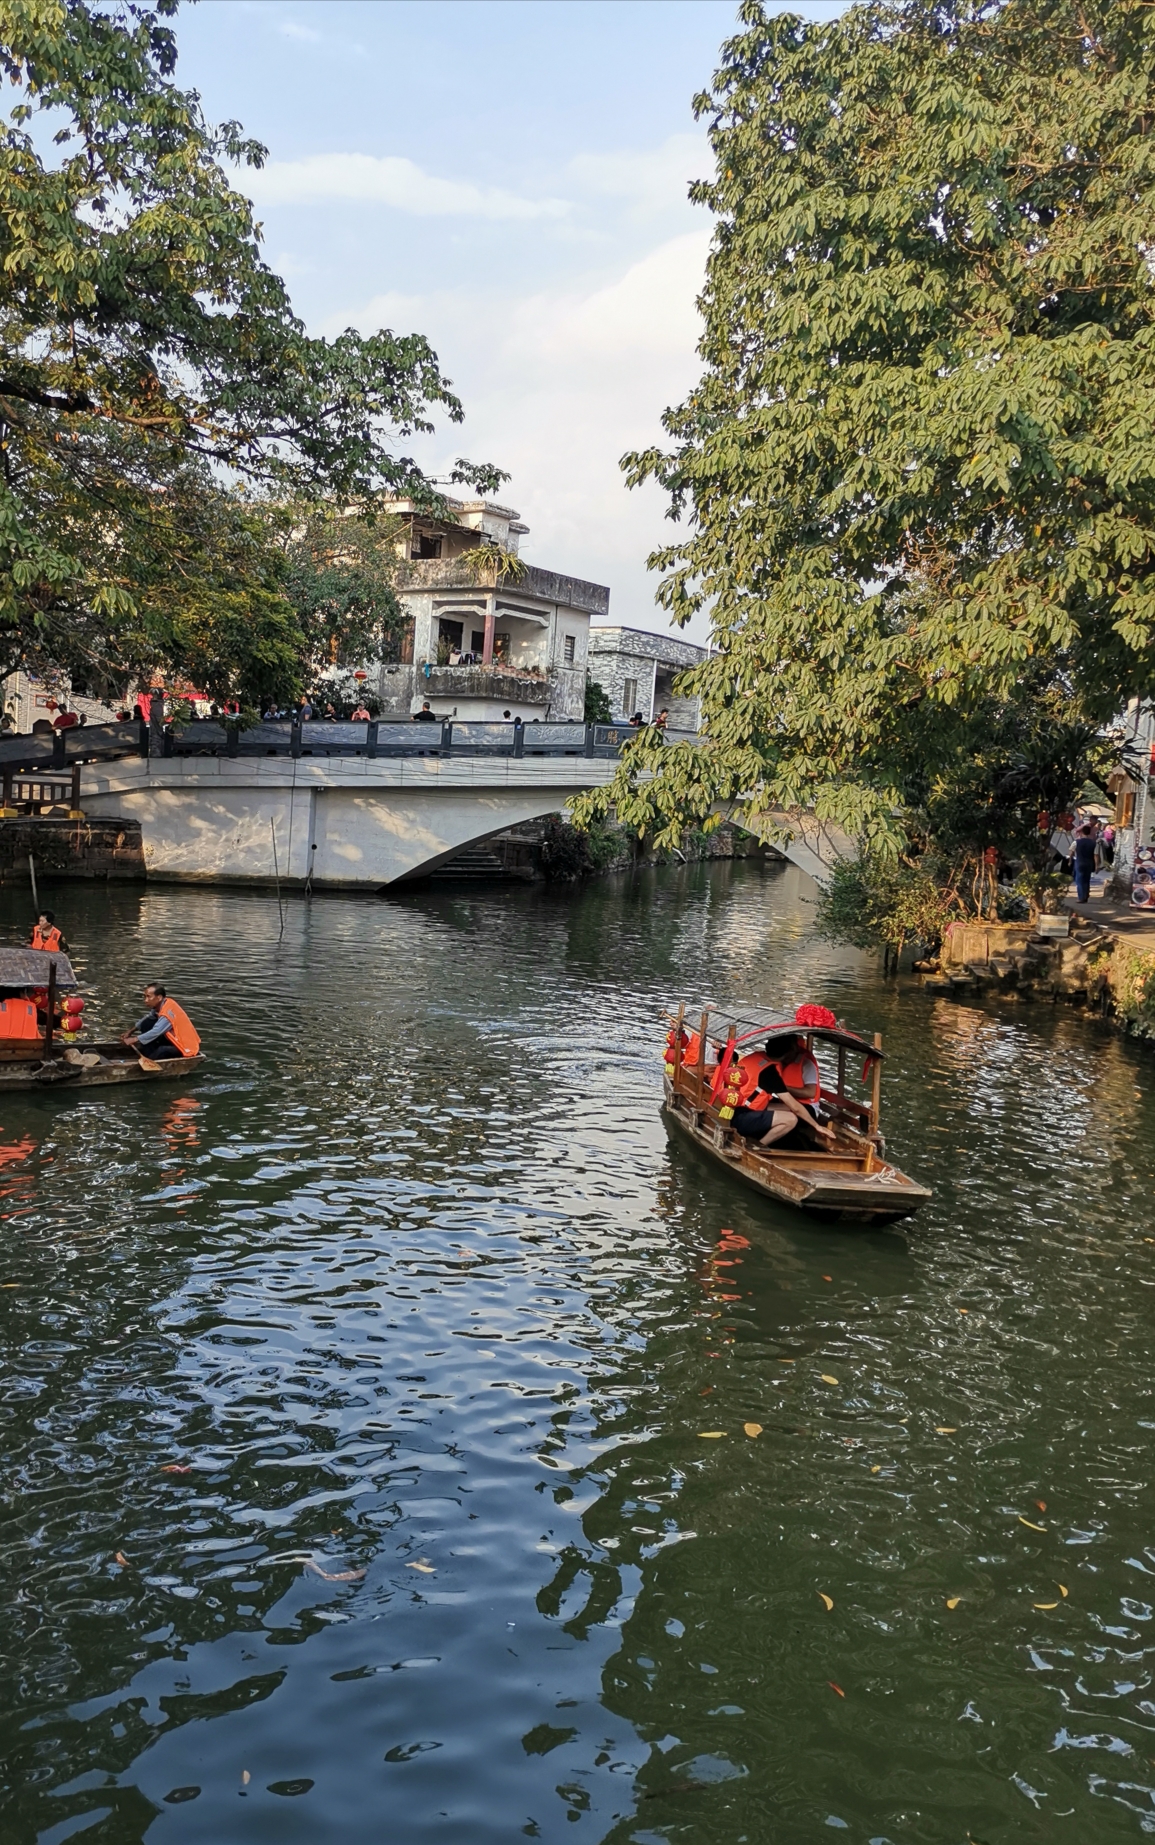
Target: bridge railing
319, 737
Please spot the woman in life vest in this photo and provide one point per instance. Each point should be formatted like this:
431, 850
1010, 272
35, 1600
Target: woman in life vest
778, 1089
46, 936
165, 1030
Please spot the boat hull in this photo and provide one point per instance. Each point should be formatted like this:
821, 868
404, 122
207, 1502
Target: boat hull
852, 1185
117, 1065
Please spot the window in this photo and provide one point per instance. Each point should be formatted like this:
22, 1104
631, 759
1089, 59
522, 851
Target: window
477, 641
427, 546
570, 648
630, 701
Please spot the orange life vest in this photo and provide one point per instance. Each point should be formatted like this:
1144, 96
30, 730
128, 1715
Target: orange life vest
795, 1076
48, 940
18, 1019
180, 1028
691, 1049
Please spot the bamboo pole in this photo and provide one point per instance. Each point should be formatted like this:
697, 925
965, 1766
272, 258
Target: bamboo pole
678, 1041
876, 1085
277, 876
702, 1057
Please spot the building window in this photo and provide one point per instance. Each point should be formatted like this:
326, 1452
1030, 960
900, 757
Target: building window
477, 640
427, 546
631, 697
570, 648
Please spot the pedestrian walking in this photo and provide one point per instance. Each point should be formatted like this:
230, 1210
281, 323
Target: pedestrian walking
1083, 862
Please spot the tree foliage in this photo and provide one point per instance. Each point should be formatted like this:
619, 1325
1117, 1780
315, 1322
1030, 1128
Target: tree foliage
148, 354
597, 704
918, 471
339, 572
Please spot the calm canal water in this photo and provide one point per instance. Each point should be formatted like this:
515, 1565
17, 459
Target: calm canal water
354, 1484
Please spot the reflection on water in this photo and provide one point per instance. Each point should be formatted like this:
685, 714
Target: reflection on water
377, 1406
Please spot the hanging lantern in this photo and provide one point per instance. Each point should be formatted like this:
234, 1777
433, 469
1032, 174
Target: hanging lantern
360, 674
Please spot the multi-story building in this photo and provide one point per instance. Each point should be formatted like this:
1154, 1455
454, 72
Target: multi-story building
637, 671
485, 642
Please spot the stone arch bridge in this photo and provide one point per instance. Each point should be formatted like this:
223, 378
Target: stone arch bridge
350, 806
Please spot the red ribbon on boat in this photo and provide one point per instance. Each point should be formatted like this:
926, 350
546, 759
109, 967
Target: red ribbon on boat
815, 1015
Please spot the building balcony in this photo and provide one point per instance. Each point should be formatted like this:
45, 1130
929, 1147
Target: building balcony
503, 684
450, 573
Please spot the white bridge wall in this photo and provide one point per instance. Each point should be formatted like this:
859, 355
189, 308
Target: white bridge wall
359, 824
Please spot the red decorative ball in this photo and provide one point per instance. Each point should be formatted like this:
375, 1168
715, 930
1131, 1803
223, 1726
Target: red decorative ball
815, 1015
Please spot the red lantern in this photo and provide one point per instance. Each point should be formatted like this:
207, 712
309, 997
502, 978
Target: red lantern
359, 674
74, 1003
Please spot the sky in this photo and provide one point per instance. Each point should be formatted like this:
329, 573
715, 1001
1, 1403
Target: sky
507, 177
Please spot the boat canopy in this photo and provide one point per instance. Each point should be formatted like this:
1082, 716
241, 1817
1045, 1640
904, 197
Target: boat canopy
777, 1028
29, 967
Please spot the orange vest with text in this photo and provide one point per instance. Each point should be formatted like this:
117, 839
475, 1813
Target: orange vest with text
180, 1028
18, 1019
48, 940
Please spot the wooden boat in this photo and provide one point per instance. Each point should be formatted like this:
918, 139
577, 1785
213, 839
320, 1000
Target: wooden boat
851, 1180
31, 1063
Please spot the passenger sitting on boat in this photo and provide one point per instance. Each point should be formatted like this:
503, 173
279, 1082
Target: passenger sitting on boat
165, 1030
18, 1015
785, 1086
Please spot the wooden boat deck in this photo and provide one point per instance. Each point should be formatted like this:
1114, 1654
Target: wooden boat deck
852, 1183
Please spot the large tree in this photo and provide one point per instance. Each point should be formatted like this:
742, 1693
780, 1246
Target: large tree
150, 359
918, 471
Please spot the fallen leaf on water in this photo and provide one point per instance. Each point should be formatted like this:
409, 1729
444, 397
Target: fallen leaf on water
122, 1560
826, 1599
946, 1431
175, 1467
786, 1361
710, 1434
246, 1777
836, 1688
877, 1469
827, 1379
20, 1284
1028, 1524
1042, 1504
426, 1569
953, 1601
828, 1277
1062, 1592
963, 1309
752, 1429
1047, 1606
706, 1392
342, 1575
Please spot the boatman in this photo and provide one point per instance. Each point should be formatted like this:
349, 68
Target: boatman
165, 1030
46, 936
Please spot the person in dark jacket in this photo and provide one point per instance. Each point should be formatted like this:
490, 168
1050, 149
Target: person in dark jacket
1083, 862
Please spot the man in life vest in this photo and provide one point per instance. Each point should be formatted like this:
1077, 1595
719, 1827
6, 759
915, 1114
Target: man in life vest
781, 1087
165, 1030
46, 936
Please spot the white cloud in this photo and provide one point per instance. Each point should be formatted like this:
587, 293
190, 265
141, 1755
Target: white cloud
556, 387
650, 179
389, 180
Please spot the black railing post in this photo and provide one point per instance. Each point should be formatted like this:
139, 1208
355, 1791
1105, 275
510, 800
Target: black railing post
447, 736
74, 792
58, 749
143, 729
232, 740
371, 738
295, 737
519, 739
590, 734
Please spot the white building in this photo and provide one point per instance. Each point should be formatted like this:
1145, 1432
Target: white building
524, 637
637, 671
28, 700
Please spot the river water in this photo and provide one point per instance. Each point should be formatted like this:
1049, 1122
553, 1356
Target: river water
354, 1479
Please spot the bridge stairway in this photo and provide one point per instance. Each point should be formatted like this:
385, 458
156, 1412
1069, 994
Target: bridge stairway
472, 865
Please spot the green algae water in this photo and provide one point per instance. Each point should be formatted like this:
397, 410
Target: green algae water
354, 1480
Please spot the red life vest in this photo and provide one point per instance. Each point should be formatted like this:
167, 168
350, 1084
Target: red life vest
48, 939
18, 1019
180, 1028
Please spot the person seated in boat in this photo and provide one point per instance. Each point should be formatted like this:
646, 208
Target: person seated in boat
782, 1087
165, 1030
46, 936
19, 1016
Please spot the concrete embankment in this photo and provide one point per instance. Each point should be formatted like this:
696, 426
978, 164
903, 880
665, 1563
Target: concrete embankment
62, 847
1103, 962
